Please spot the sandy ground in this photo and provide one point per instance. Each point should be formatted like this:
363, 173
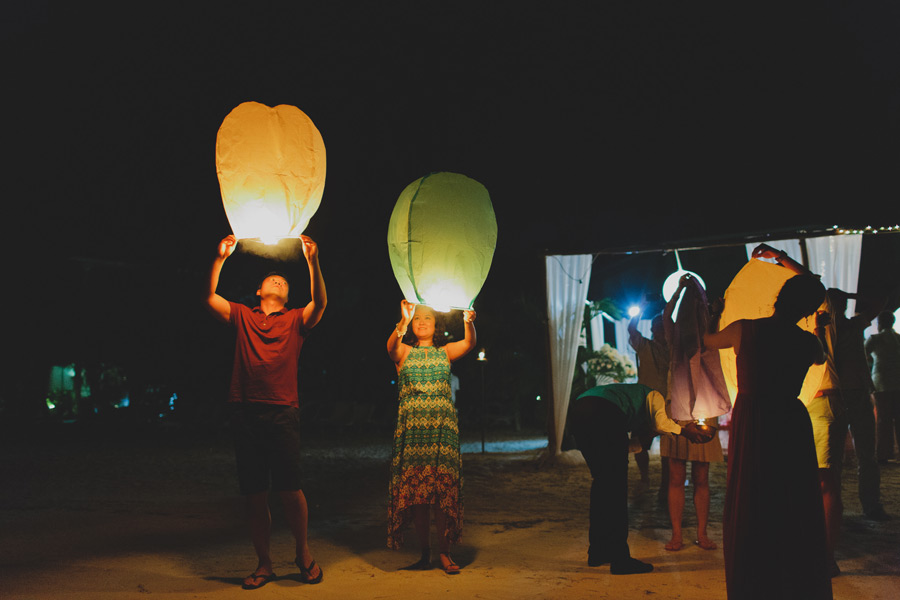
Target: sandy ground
144, 515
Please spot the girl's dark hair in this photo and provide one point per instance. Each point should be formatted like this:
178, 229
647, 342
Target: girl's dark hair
440, 332
800, 296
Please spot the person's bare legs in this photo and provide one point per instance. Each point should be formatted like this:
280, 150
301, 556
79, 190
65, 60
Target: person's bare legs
700, 479
421, 517
260, 521
440, 525
422, 522
664, 480
296, 511
677, 469
834, 510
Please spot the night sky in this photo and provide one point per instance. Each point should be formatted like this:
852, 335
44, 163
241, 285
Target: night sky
593, 125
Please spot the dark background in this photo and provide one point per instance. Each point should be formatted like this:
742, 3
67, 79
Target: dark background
594, 126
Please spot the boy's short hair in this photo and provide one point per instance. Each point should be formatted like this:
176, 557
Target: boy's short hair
274, 274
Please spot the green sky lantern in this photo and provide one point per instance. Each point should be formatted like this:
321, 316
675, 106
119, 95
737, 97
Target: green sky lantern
441, 240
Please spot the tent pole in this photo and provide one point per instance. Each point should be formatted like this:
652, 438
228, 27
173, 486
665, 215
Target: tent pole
804, 253
548, 385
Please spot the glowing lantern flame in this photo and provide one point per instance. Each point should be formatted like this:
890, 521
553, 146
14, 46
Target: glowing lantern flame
441, 240
271, 168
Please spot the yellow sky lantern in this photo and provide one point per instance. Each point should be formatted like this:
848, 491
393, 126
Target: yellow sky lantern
751, 295
441, 240
271, 168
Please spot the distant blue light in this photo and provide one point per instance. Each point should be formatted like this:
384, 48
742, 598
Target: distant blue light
507, 446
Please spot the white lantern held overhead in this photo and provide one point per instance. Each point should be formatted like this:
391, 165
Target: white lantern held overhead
271, 168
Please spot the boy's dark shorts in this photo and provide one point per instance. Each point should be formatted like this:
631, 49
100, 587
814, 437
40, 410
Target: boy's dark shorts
266, 446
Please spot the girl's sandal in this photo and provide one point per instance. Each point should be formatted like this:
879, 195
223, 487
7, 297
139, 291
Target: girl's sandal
706, 544
450, 567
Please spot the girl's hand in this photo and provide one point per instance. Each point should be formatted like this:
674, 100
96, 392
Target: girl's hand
468, 316
407, 309
765, 251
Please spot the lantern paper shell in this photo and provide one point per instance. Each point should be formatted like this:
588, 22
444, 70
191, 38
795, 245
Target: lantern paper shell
697, 387
752, 295
271, 168
441, 240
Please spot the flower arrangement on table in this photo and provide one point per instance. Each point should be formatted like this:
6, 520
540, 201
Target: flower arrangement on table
607, 365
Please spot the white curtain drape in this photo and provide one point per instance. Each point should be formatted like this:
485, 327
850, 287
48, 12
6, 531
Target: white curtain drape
598, 336
622, 344
836, 259
567, 288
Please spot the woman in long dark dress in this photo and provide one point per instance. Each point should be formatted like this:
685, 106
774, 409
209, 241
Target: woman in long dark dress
774, 523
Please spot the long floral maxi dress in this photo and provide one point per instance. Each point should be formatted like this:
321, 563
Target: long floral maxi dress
426, 467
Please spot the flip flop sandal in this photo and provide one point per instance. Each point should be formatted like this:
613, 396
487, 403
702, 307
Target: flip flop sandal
707, 545
306, 572
255, 586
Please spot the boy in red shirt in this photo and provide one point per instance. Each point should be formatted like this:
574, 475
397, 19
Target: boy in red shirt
263, 393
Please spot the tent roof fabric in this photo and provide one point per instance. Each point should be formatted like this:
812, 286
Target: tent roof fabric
733, 239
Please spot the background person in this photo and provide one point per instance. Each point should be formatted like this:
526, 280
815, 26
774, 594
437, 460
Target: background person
856, 395
652, 371
685, 336
883, 353
602, 418
774, 523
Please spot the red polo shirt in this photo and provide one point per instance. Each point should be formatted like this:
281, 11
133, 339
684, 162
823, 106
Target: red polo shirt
266, 353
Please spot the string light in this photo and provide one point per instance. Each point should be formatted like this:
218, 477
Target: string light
867, 229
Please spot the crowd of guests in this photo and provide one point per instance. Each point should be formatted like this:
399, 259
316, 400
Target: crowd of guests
785, 455
783, 494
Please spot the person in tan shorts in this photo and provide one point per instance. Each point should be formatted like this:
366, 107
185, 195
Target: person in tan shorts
676, 452
679, 451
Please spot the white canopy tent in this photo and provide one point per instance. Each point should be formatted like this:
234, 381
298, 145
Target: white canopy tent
835, 257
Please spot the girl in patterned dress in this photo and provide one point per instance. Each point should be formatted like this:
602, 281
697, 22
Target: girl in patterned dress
426, 467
